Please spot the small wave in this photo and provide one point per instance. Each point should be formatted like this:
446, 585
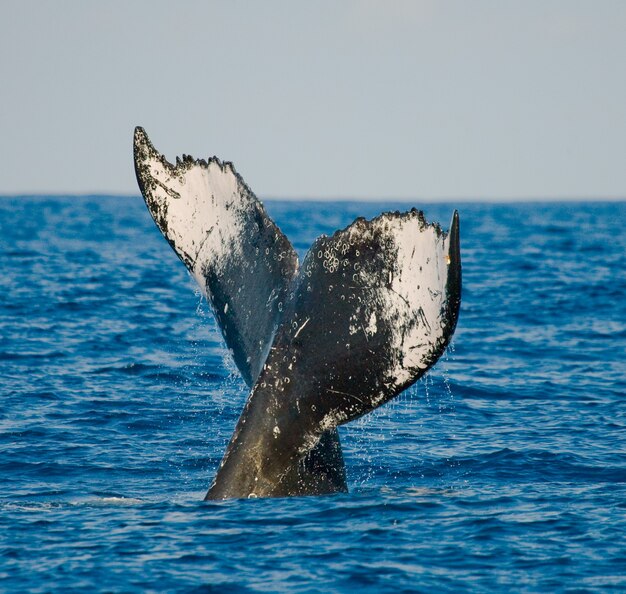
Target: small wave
113, 501
29, 506
127, 369
9, 356
21, 254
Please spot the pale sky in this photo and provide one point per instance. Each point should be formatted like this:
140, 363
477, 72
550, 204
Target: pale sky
340, 99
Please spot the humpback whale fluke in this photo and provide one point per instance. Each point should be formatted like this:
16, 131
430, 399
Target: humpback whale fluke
368, 312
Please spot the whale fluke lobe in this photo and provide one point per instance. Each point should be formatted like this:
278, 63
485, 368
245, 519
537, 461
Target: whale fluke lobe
241, 260
382, 298
368, 312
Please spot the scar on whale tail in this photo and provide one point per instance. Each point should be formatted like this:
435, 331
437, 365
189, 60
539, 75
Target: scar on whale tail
367, 313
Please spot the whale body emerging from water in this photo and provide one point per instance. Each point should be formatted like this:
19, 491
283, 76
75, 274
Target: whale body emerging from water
368, 311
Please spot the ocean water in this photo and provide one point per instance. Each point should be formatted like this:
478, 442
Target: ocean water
503, 470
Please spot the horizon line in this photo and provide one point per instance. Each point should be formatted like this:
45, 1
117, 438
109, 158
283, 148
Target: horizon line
424, 200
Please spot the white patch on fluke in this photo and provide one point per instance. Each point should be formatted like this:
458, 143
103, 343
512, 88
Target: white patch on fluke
418, 292
371, 328
186, 194
411, 297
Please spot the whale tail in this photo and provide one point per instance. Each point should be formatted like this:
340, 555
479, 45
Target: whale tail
368, 312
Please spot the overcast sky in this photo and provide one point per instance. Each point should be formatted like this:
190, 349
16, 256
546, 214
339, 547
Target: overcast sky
350, 99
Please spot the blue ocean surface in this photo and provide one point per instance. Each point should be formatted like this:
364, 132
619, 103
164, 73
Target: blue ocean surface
504, 469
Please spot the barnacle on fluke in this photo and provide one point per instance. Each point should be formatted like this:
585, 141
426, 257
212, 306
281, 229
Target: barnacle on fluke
369, 311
